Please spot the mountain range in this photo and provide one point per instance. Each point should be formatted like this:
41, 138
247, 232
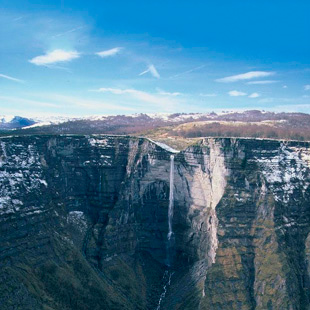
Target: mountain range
170, 127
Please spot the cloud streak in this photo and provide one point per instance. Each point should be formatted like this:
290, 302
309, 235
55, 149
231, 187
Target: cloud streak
11, 78
60, 102
263, 82
165, 93
151, 69
245, 76
236, 93
28, 102
108, 53
55, 56
88, 103
254, 95
67, 32
141, 96
187, 71
307, 87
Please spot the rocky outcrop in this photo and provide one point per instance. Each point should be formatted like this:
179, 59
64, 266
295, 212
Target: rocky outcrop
84, 223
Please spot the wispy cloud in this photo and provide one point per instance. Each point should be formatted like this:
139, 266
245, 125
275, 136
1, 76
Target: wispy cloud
67, 32
236, 93
307, 87
266, 100
245, 76
151, 69
141, 96
187, 71
18, 18
254, 95
11, 78
208, 95
28, 102
263, 82
292, 100
165, 93
60, 102
55, 56
88, 103
110, 52
305, 108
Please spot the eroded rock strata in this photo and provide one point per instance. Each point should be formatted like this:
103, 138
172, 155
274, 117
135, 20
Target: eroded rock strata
84, 224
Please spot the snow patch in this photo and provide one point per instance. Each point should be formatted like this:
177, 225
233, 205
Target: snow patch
20, 173
78, 219
286, 170
164, 146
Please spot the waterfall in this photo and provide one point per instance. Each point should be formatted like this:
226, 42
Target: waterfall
167, 280
170, 235
170, 209
168, 274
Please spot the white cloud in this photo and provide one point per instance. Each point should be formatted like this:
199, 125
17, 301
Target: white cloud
110, 52
245, 76
152, 70
307, 87
165, 93
284, 86
11, 78
262, 82
254, 95
54, 57
235, 93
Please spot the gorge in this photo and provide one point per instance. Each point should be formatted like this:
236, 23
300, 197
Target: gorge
119, 222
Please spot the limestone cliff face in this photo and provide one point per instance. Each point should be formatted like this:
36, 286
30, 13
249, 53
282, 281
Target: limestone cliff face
84, 224
263, 216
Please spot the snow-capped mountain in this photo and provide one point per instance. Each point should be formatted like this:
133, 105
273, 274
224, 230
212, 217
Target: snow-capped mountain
251, 123
12, 122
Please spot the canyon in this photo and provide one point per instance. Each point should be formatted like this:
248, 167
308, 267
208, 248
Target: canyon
119, 222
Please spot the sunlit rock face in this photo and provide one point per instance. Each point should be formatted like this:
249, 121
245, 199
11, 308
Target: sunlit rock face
84, 224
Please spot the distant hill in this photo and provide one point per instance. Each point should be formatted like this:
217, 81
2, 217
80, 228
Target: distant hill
13, 122
253, 123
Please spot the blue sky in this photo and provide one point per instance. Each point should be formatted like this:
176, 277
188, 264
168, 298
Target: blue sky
122, 57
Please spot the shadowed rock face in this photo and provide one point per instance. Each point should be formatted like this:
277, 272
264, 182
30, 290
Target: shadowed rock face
84, 224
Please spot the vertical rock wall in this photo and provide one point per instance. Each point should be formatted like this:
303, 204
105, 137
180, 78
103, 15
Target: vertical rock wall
87, 217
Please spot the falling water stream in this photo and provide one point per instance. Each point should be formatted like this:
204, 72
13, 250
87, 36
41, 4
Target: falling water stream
166, 280
170, 209
168, 274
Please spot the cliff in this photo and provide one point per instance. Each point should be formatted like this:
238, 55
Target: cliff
84, 224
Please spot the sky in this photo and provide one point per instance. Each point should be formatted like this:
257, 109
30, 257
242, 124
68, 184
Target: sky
79, 58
